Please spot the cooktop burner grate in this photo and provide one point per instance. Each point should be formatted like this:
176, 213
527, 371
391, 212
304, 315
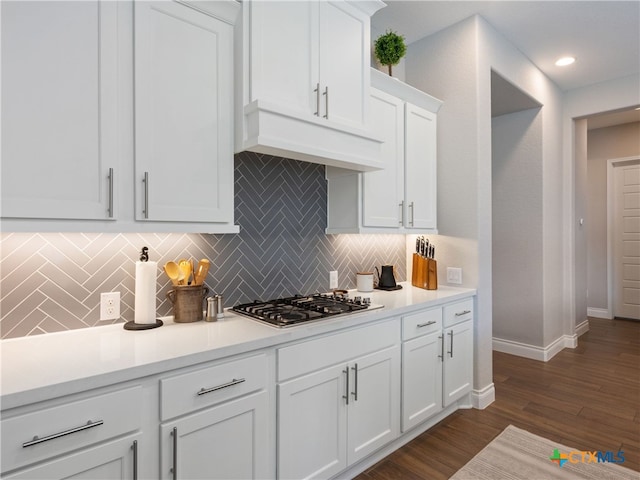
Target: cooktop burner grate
290, 311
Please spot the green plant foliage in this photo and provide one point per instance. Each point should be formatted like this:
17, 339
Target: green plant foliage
390, 48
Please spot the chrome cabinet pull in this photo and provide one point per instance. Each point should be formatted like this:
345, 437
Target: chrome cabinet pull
145, 180
36, 440
441, 356
326, 103
355, 382
174, 469
233, 382
430, 322
450, 352
110, 192
460, 314
401, 212
317, 92
346, 396
411, 217
134, 447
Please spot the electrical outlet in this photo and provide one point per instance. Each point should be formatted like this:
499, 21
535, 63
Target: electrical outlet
110, 306
333, 279
454, 275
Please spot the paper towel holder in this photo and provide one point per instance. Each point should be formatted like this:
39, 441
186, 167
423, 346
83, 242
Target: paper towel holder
131, 325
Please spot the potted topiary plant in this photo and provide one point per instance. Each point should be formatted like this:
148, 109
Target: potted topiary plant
390, 48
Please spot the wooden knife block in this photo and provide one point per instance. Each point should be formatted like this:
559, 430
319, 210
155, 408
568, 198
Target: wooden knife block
424, 273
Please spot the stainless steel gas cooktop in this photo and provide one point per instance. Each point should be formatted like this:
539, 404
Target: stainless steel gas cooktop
290, 311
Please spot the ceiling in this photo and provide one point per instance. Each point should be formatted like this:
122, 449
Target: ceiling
604, 36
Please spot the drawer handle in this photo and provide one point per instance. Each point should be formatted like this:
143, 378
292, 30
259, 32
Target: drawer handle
459, 314
220, 387
37, 440
430, 322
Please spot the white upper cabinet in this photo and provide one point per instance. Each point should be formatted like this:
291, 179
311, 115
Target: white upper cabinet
305, 72
59, 110
401, 198
118, 116
183, 133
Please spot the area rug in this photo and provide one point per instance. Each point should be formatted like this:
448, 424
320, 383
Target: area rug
518, 454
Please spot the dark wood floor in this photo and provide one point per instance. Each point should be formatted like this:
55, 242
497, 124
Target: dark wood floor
587, 398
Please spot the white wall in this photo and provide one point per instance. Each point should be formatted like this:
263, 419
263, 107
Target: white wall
617, 94
455, 65
603, 144
517, 227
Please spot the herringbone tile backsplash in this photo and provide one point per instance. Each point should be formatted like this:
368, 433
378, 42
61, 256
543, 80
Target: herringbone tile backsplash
52, 282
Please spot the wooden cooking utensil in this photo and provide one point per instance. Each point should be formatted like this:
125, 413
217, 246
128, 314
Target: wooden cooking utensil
186, 267
173, 271
201, 271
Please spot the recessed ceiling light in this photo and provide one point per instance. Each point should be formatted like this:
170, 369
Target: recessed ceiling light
564, 61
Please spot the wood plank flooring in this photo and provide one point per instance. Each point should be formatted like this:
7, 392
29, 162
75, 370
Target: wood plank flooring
587, 398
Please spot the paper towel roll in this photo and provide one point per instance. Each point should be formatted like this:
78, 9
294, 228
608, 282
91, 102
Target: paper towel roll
145, 293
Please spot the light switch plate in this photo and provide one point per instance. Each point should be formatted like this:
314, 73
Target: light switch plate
454, 275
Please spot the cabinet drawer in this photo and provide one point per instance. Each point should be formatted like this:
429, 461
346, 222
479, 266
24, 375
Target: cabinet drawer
458, 312
326, 351
65, 427
207, 386
421, 323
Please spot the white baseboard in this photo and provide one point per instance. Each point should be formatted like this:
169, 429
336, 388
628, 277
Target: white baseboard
582, 328
544, 354
484, 397
598, 313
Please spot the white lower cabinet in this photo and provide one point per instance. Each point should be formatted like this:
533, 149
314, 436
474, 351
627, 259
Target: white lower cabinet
216, 421
458, 351
94, 437
223, 442
116, 460
437, 362
335, 416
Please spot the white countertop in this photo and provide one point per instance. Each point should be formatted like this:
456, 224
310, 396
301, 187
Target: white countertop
40, 367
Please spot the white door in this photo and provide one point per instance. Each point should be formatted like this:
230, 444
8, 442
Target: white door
59, 109
183, 113
421, 379
114, 460
230, 441
626, 241
312, 425
383, 190
458, 362
420, 167
344, 63
374, 403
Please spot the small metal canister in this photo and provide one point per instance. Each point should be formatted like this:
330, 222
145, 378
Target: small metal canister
219, 307
212, 309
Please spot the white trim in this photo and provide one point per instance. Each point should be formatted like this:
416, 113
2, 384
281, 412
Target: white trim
611, 164
484, 397
582, 328
544, 354
599, 312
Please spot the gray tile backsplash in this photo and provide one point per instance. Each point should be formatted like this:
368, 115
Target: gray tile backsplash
52, 282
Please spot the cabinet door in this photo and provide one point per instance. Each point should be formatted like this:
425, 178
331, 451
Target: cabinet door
283, 71
458, 361
344, 63
226, 442
383, 190
420, 165
183, 112
59, 109
421, 379
374, 403
109, 461
312, 425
